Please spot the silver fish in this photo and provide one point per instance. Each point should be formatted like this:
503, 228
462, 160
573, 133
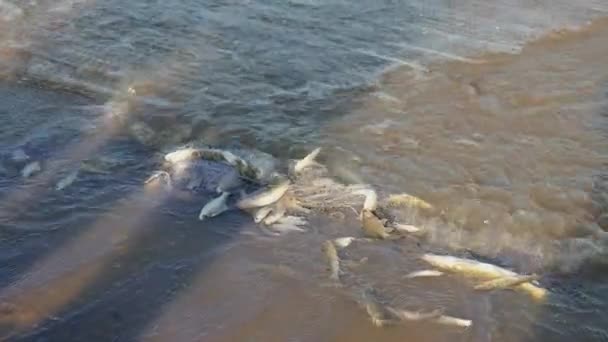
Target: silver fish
261, 213
480, 270
30, 169
406, 315
506, 282
405, 228
264, 198
423, 273
67, 180
214, 207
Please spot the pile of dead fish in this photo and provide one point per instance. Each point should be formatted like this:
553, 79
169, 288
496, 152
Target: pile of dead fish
276, 206
481, 276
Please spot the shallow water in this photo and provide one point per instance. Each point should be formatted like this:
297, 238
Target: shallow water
407, 96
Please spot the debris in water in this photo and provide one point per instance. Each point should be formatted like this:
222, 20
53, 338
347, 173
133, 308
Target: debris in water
373, 227
406, 228
67, 180
406, 200
30, 169
423, 273
453, 321
406, 315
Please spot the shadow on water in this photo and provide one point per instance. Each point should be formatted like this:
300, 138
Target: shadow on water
135, 286
30, 236
76, 262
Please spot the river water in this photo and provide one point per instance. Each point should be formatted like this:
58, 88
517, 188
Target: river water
491, 111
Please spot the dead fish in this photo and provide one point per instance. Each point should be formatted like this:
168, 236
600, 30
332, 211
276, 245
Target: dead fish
331, 253
307, 161
468, 267
30, 169
453, 321
261, 213
371, 198
505, 282
183, 154
343, 242
406, 200
275, 215
480, 270
373, 227
377, 312
406, 315
423, 273
214, 207
406, 228
264, 198
67, 180
289, 223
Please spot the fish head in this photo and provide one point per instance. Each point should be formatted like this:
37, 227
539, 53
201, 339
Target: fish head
261, 213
